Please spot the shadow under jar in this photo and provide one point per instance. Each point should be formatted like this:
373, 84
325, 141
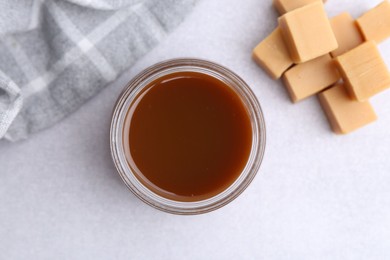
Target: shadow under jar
187, 136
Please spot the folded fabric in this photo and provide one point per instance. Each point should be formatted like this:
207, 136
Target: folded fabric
57, 54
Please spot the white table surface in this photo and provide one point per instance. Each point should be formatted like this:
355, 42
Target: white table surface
317, 195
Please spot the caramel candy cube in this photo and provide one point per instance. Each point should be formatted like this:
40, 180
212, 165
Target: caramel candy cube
375, 24
272, 55
346, 32
364, 71
284, 6
344, 114
307, 32
309, 78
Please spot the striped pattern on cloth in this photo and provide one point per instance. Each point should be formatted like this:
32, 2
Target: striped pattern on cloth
57, 54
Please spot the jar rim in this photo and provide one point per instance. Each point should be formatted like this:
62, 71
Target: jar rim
141, 81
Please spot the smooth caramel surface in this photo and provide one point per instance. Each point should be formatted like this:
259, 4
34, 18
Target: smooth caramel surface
272, 54
309, 78
344, 114
307, 32
364, 71
284, 6
375, 23
190, 136
347, 33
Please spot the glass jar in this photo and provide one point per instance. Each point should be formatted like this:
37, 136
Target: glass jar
125, 103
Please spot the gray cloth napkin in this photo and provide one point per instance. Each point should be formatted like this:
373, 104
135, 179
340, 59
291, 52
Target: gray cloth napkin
55, 55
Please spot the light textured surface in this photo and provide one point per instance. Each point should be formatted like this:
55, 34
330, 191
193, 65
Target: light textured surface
317, 195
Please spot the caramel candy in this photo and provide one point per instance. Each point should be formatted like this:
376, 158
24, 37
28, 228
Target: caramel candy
307, 32
346, 32
364, 71
375, 24
344, 114
284, 6
309, 78
272, 55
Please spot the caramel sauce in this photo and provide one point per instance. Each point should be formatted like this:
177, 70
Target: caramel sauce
188, 136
